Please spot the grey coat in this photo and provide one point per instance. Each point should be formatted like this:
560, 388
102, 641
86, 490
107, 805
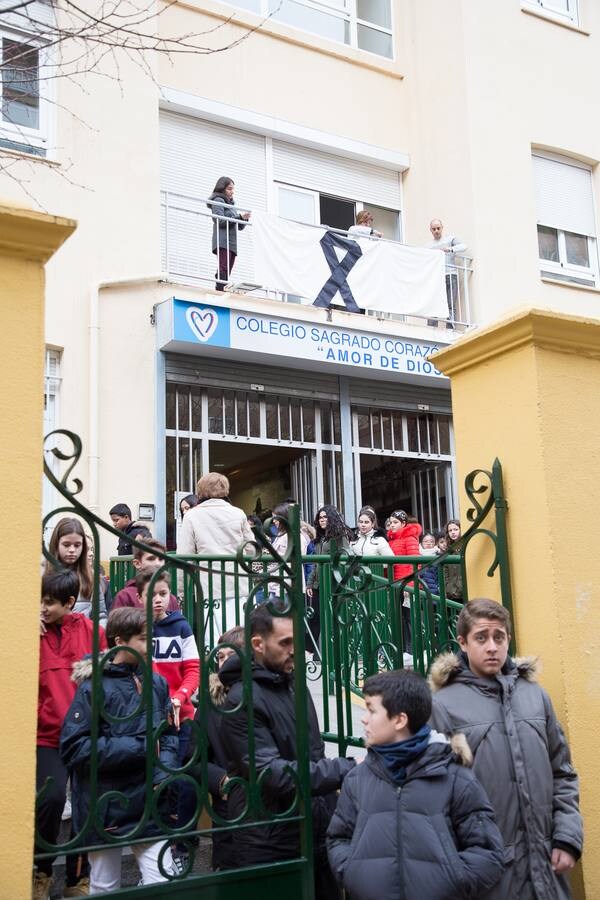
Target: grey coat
432, 839
522, 759
225, 233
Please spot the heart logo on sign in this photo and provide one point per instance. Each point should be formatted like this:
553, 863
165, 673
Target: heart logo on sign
203, 322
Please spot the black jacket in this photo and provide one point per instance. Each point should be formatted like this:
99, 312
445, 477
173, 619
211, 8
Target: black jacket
210, 718
122, 749
275, 745
134, 530
434, 838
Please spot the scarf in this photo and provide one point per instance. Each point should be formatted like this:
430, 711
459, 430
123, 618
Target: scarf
398, 756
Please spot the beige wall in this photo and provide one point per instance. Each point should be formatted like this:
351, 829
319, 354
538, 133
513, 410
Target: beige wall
472, 87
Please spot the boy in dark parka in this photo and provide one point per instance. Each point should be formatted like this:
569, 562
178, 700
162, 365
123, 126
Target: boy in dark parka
411, 822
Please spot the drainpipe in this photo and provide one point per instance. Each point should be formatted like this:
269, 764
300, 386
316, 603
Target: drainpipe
94, 375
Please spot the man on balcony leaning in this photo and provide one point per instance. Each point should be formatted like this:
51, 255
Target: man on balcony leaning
450, 245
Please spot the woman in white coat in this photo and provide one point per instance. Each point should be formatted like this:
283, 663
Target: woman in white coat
369, 541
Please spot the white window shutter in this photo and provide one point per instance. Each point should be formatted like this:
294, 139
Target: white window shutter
564, 195
336, 175
193, 155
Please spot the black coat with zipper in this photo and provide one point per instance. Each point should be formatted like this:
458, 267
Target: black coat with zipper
434, 838
122, 747
274, 712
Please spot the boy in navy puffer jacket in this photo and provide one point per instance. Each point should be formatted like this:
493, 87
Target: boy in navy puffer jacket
122, 748
410, 822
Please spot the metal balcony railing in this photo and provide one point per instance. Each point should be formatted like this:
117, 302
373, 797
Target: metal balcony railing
186, 253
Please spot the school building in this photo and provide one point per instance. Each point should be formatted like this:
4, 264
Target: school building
481, 114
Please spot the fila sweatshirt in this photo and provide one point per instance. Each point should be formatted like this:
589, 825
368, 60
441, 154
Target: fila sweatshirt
175, 657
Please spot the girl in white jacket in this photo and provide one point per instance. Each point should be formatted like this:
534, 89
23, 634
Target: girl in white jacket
368, 542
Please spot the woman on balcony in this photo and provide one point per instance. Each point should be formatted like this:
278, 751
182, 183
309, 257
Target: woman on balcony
226, 222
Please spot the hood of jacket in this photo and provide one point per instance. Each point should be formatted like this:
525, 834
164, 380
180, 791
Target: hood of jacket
217, 690
450, 667
82, 670
221, 198
436, 757
171, 617
308, 530
231, 673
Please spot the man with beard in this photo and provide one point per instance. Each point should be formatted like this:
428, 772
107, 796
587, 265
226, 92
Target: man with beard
274, 716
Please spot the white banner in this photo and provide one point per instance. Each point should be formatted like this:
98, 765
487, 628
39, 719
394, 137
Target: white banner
325, 267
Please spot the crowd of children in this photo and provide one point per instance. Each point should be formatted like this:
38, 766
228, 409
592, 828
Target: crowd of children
414, 820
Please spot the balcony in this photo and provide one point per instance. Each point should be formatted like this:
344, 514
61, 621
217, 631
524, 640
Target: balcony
186, 235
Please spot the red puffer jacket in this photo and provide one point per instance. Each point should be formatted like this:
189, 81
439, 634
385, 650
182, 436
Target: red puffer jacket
60, 647
405, 542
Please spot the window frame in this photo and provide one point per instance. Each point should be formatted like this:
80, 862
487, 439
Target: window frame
36, 138
359, 205
347, 14
562, 270
544, 8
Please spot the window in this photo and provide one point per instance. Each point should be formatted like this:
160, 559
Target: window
566, 225
51, 394
22, 109
365, 24
315, 208
562, 10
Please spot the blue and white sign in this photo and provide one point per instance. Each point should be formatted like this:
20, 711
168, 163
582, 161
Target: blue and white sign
215, 326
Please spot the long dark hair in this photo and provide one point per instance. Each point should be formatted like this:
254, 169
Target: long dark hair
455, 543
336, 528
82, 566
221, 184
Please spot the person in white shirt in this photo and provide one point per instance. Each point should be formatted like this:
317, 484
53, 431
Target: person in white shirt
364, 226
450, 245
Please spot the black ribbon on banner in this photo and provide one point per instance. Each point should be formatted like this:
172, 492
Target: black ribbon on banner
339, 270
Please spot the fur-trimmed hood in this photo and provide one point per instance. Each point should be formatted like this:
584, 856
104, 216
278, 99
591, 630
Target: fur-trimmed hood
82, 670
449, 665
217, 690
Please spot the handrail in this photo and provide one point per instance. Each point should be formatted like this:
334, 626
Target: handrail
214, 215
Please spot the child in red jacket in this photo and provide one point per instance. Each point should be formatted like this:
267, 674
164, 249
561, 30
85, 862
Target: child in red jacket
403, 538
65, 638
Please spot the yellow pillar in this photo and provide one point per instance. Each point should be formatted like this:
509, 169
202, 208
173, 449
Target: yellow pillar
527, 390
27, 240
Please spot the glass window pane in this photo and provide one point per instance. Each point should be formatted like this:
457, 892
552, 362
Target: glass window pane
229, 398
307, 18
423, 434
20, 85
326, 423
183, 405
272, 431
444, 429
364, 430
254, 417
376, 418
284, 418
387, 221
215, 412
296, 429
398, 436
433, 434
375, 41
171, 399
184, 465
413, 443
196, 409
386, 418
577, 249
548, 243
308, 420
242, 421
299, 206
378, 12
337, 429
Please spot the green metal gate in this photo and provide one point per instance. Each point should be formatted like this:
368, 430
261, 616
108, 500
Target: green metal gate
292, 878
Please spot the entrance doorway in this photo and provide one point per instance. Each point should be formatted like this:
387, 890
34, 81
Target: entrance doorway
419, 488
